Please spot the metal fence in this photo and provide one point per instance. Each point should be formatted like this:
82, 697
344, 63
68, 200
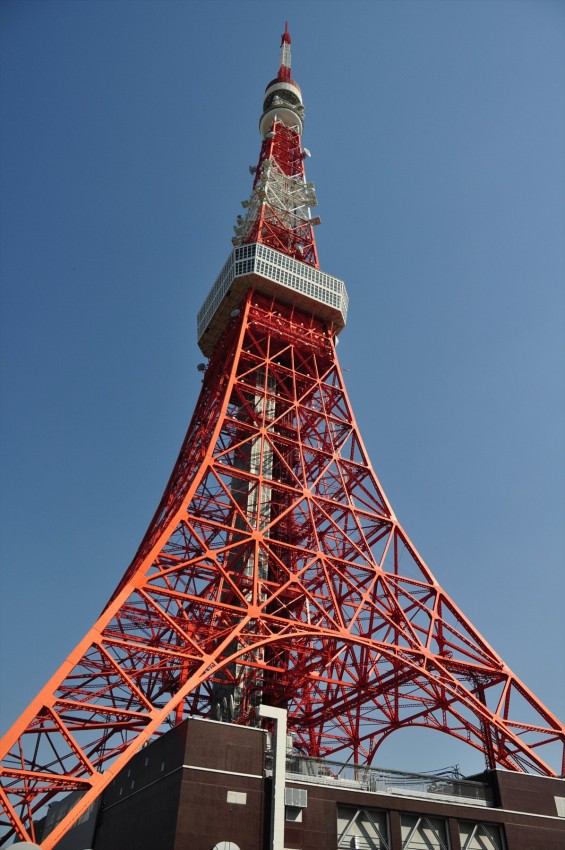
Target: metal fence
383, 781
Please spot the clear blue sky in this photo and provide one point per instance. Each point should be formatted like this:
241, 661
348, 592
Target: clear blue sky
437, 132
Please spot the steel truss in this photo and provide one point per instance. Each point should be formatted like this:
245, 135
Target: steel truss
278, 211
274, 570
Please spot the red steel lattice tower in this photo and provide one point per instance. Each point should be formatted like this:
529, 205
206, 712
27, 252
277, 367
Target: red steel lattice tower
274, 570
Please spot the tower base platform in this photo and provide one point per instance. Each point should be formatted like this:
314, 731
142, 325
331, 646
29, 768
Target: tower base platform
208, 786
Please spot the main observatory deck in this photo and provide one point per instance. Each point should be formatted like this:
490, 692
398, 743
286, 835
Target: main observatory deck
259, 267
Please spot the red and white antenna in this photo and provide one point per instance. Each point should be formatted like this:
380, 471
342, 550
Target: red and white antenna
284, 70
278, 212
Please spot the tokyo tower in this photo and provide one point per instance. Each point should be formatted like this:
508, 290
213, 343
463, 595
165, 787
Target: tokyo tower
274, 570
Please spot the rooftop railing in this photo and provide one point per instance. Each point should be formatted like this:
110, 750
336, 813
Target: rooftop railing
338, 775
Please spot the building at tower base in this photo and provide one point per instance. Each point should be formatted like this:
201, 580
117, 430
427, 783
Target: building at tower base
208, 786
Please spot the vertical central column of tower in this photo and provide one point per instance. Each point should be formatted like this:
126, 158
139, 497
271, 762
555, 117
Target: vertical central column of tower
275, 439
252, 494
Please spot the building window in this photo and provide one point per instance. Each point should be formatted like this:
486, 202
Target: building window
293, 814
421, 832
480, 836
362, 829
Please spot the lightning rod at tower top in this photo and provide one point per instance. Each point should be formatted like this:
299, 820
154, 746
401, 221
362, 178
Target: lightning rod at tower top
274, 571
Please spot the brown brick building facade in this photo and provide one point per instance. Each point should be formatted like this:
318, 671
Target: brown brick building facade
207, 786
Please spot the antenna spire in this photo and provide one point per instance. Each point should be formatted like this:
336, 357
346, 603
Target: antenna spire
284, 70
